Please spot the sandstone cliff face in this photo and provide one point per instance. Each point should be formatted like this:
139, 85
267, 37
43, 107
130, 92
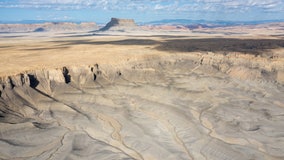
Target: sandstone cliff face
50, 26
246, 67
119, 24
154, 108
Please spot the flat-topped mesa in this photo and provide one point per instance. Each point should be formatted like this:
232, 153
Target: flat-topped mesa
119, 24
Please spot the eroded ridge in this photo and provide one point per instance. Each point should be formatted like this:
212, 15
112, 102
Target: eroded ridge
175, 109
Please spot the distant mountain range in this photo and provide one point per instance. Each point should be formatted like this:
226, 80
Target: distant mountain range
207, 23
47, 26
35, 22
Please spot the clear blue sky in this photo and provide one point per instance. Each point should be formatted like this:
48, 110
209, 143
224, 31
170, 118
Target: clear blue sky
141, 10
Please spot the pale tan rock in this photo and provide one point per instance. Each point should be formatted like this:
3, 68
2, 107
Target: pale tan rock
280, 77
120, 97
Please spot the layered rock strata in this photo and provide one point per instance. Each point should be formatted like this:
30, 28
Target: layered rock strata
155, 109
117, 24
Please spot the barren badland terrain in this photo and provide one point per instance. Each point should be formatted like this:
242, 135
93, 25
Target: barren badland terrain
150, 92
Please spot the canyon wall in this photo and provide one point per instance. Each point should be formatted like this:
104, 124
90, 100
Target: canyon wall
158, 108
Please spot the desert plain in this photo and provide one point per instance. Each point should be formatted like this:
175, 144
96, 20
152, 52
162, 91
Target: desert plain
202, 94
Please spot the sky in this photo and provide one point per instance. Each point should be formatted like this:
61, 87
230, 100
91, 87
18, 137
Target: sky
141, 10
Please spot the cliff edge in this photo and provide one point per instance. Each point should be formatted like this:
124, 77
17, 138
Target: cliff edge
119, 24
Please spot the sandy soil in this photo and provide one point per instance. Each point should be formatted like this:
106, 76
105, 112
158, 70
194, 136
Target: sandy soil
141, 96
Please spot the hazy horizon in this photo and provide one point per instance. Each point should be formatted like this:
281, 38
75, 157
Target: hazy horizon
141, 10
158, 21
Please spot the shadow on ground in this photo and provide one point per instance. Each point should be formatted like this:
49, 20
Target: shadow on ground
223, 45
247, 46
119, 42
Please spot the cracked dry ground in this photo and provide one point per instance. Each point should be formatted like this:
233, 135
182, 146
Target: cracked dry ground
155, 110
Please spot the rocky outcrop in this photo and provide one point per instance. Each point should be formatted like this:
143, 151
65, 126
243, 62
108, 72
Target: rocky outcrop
40, 29
119, 25
152, 108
